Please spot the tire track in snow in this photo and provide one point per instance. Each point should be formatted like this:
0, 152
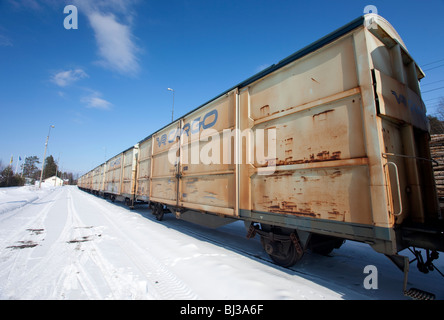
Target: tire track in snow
33, 222
44, 270
73, 276
56, 267
164, 284
22, 256
121, 286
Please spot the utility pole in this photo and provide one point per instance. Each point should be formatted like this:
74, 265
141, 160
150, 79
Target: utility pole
56, 165
172, 111
44, 156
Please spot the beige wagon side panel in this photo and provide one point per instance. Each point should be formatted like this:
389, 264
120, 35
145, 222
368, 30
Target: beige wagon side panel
98, 178
114, 174
163, 180
88, 180
129, 171
144, 170
207, 166
314, 106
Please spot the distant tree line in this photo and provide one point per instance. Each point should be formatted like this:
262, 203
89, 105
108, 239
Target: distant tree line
436, 125
8, 178
437, 119
30, 173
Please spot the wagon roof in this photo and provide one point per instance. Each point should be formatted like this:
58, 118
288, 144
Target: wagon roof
386, 33
297, 55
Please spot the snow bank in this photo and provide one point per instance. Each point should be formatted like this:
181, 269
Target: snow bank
13, 198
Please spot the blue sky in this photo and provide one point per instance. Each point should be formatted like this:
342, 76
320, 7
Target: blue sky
104, 85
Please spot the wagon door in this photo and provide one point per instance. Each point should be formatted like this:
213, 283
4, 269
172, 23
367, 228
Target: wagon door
164, 186
144, 170
318, 177
207, 172
114, 175
129, 172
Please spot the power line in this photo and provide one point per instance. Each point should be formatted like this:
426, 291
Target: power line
427, 64
441, 65
423, 85
433, 89
433, 99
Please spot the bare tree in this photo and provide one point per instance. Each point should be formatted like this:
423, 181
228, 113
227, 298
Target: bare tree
436, 120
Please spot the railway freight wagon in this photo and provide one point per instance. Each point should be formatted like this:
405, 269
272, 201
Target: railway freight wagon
143, 171
329, 144
120, 176
98, 180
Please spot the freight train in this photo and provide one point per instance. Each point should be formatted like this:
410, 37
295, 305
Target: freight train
328, 144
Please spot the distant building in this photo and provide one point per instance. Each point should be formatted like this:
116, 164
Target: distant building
53, 181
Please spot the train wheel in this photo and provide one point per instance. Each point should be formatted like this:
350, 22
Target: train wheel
284, 252
159, 216
158, 211
153, 207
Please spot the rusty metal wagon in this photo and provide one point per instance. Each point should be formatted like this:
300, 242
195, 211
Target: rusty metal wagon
328, 144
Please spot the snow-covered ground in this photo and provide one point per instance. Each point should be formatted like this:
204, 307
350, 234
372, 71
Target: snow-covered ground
62, 243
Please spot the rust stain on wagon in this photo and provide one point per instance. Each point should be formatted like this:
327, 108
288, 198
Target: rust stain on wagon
321, 156
322, 113
288, 210
336, 174
333, 214
265, 110
288, 207
325, 155
288, 141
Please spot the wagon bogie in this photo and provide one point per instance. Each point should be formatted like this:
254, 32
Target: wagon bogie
282, 252
158, 210
283, 248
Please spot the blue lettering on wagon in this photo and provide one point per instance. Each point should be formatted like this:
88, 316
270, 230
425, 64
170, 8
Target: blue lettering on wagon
415, 107
211, 123
195, 125
208, 121
416, 112
161, 140
400, 99
115, 163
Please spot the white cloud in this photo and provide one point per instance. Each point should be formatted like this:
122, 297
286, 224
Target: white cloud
66, 78
111, 22
96, 102
114, 40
